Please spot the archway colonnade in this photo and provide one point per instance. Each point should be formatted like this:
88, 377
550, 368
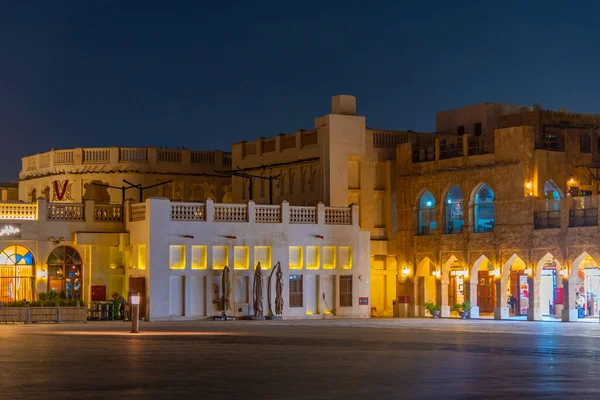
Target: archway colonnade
509, 284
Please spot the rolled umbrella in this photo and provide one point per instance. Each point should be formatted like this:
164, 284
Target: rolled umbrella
279, 291
257, 288
225, 287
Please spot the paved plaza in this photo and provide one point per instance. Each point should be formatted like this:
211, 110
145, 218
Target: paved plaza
302, 359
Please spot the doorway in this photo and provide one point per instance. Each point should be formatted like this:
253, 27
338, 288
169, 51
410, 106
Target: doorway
486, 292
137, 284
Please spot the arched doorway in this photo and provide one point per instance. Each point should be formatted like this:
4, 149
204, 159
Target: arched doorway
17, 274
483, 280
425, 285
548, 274
584, 287
514, 295
65, 272
454, 276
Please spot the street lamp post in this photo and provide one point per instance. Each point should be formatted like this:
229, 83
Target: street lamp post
135, 313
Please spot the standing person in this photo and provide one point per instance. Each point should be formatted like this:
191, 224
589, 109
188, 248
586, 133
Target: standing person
123, 305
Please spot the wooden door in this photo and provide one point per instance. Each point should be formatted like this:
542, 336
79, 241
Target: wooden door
138, 284
514, 290
452, 291
486, 292
98, 293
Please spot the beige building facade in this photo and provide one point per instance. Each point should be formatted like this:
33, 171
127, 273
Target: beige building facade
515, 217
100, 174
339, 162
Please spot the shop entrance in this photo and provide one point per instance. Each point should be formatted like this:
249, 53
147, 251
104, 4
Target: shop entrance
486, 292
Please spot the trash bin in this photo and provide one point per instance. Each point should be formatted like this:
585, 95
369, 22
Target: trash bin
580, 313
104, 311
116, 309
401, 307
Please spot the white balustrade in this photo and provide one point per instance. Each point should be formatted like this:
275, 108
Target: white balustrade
188, 212
338, 216
65, 212
96, 156
267, 214
18, 211
202, 157
133, 155
230, 213
108, 213
63, 157
168, 156
137, 212
303, 215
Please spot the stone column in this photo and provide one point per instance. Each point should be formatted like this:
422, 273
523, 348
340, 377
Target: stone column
558, 308
569, 312
443, 296
420, 298
534, 312
501, 309
471, 296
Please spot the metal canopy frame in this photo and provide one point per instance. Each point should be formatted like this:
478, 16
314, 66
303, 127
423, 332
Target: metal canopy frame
243, 174
131, 186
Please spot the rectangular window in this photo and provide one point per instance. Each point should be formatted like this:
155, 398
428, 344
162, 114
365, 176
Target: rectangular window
313, 257
296, 293
262, 254
220, 257
585, 143
460, 130
199, 257
177, 256
240, 257
295, 259
329, 257
477, 129
346, 257
346, 291
141, 257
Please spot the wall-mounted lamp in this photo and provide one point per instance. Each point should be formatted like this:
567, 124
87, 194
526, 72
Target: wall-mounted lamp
319, 236
495, 272
528, 188
405, 271
437, 273
563, 272
466, 273
56, 241
527, 271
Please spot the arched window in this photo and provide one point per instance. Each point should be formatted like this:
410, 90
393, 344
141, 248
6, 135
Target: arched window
426, 222
17, 277
455, 215
485, 209
64, 272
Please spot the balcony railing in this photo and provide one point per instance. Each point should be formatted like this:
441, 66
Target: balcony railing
583, 212
478, 145
451, 148
546, 219
550, 140
424, 148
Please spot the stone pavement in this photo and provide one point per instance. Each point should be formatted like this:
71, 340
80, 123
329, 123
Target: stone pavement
297, 359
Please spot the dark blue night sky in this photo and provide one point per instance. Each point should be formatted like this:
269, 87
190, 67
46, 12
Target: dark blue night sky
103, 73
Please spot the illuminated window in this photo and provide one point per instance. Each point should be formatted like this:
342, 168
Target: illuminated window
313, 257
262, 254
295, 257
198, 257
346, 257
177, 256
455, 215
328, 257
220, 257
141, 264
485, 209
296, 292
16, 274
426, 222
240, 257
346, 291
64, 272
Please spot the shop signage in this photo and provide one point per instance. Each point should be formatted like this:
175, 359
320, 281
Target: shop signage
10, 230
456, 211
363, 301
524, 293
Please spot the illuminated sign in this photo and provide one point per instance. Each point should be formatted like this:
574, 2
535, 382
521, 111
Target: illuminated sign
363, 301
10, 230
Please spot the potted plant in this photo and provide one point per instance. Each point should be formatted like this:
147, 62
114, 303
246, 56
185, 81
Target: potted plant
434, 309
462, 309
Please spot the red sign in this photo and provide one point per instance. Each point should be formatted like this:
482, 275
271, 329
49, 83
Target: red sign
363, 301
559, 296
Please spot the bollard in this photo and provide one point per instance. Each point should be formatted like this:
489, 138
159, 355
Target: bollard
135, 313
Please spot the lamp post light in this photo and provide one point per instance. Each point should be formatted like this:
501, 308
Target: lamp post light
135, 313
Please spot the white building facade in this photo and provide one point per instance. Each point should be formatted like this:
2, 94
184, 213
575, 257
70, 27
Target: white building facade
173, 255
